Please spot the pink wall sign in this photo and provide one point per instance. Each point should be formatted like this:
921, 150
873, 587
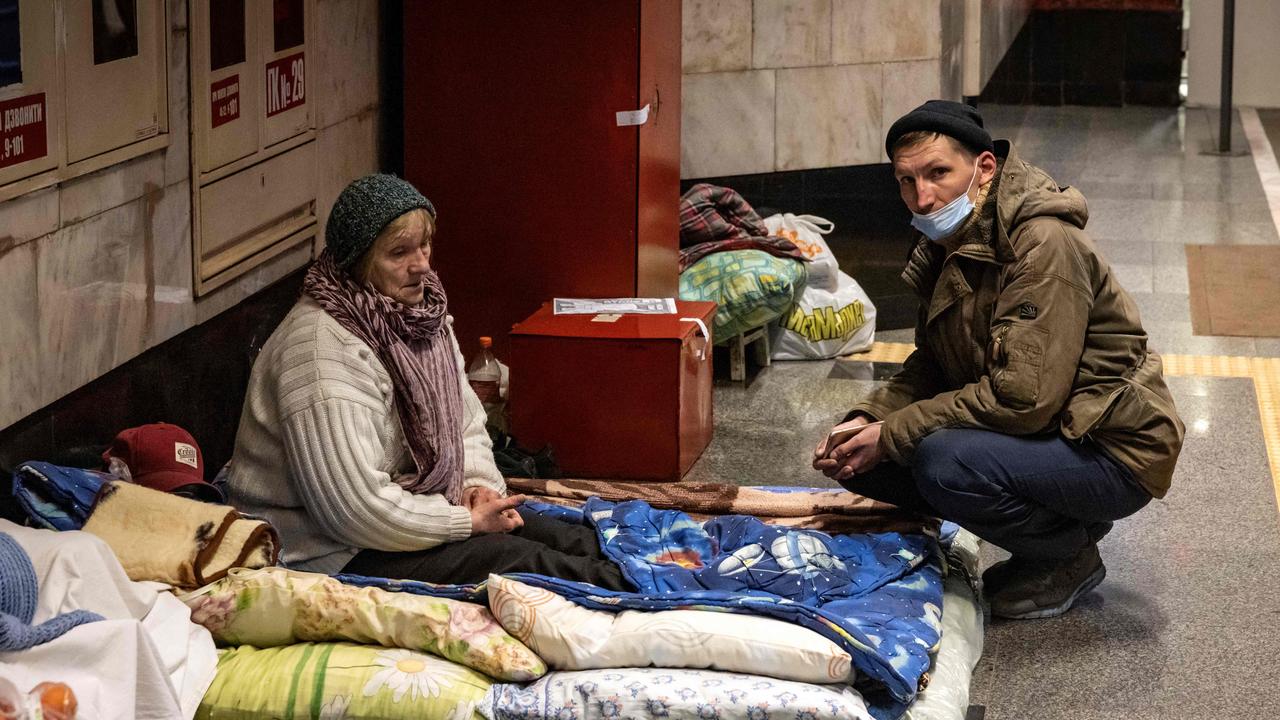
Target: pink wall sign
224, 100
286, 88
23, 130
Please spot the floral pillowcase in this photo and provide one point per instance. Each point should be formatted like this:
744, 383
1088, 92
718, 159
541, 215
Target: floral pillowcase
340, 681
667, 693
274, 606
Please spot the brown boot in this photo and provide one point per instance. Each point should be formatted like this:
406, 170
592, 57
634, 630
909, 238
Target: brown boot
1049, 589
997, 576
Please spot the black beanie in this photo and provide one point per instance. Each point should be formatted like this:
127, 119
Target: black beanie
363, 209
950, 118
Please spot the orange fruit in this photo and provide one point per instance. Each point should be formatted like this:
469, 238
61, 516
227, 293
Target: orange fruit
57, 700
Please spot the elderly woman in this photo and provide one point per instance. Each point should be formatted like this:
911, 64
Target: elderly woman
360, 439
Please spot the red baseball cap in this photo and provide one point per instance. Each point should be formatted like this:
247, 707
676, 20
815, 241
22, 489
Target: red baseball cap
164, 457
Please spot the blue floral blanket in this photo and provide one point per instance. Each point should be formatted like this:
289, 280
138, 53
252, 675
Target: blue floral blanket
879, 596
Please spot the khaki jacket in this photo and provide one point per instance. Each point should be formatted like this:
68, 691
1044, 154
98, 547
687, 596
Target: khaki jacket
1024, 330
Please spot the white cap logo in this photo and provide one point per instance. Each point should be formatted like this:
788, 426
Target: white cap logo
185, 454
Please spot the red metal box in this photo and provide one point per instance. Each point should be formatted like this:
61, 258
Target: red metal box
629, 399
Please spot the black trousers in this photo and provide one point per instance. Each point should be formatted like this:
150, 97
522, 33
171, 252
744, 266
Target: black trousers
545, 546
1039, 497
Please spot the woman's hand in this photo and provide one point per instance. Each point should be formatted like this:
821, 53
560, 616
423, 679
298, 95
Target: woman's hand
496, 516
858, 454
477, 494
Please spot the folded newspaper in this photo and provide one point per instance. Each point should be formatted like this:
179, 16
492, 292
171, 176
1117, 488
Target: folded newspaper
615, 306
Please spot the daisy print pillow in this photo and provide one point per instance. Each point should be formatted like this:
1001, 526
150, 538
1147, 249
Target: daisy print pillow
340, 680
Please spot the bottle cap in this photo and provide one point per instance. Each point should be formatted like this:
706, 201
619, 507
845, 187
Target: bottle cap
486, 341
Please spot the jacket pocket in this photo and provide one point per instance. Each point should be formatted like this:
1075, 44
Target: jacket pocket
1136, 404
1018, 354
1145, 411
1088, 410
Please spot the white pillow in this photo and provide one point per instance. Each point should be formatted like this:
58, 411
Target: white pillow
666, 693
570, 637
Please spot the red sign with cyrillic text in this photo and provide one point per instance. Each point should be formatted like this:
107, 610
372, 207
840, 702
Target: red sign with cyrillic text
23, 134
224, 100
286, 88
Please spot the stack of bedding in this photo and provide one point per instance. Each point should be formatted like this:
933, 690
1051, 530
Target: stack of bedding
749, 603
732, 618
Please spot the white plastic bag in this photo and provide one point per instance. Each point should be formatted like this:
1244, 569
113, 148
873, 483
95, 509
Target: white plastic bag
806, 232
826, 324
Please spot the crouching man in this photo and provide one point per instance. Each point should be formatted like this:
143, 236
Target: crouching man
1031, 411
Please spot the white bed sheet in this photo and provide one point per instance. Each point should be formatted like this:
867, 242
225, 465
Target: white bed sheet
145, 660
947, 696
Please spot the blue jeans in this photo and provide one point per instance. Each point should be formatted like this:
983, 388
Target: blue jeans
1040, 497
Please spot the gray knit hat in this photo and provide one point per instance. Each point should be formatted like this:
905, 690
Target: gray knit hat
363, 209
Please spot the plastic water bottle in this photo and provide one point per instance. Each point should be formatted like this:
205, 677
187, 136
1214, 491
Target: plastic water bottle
485, 375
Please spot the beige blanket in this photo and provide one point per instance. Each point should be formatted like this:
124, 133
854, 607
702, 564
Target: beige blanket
174, 540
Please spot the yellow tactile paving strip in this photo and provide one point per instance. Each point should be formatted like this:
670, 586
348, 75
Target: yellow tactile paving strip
1264, 371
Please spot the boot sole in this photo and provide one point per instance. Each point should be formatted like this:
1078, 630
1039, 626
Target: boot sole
1085, 588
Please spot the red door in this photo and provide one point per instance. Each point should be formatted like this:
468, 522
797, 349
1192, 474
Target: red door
510, 129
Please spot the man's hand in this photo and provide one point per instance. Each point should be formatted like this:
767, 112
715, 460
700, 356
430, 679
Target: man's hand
496, 516
858, 454
477, 494
821, 451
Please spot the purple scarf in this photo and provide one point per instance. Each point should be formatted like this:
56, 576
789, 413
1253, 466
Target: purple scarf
413, 344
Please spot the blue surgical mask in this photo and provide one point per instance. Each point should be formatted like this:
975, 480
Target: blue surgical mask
942, 222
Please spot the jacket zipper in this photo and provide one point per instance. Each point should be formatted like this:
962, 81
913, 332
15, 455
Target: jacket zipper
999, 349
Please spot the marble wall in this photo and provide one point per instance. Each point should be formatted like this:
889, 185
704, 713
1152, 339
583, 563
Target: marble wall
776, 85
98, 269
1257, 54
992, 26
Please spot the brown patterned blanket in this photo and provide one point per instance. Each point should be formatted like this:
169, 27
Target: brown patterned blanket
832, 511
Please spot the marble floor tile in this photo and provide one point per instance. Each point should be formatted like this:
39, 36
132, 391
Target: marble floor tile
1125, 251
1168, 255
1136, 278
1227, 191
1171, 278
792, 391
1213, 232
1160, 306
1176, 337
861, 370
763, 453
902, 335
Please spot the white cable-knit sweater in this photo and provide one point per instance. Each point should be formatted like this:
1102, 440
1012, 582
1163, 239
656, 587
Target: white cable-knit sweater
320, 441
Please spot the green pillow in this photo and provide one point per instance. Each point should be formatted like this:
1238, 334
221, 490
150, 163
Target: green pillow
316, 681
750, 287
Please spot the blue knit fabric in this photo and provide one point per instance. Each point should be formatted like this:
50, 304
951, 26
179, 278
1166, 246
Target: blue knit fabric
18, 598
